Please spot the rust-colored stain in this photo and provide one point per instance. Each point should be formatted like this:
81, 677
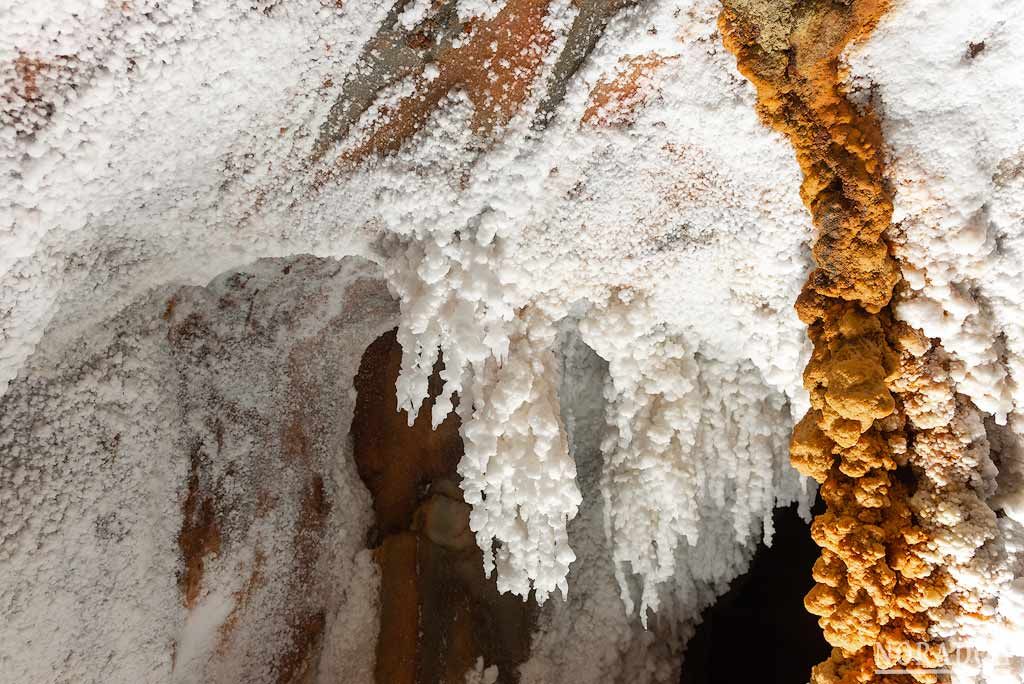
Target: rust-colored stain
219, 510
306, 621
242, 598
297, 661
617, 98
28, 71
439, 614
200, 531
838, 147
29, 100
872, 587
395, 461
168, 313
495, 66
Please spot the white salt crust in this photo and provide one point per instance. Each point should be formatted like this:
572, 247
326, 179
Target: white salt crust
950, 104
182, 150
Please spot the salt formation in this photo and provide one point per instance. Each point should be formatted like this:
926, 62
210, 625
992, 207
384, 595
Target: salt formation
156, 142
687, 436
478, 283
952, 126
174, 507
956, 149
482, 9
590, 637
517, 473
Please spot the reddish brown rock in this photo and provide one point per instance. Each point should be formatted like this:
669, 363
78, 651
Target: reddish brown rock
439, 614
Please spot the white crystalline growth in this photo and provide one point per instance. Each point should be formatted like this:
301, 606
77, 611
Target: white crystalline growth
1002, 640
651, 389
687, 436
414, 13
951, 102
517, 472
455, 301
479, 9
950, 454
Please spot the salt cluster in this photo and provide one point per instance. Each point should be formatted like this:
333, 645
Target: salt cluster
516, 470
483, 272
950, 107
687, 435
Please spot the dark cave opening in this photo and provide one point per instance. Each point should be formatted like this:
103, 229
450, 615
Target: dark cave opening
759, 627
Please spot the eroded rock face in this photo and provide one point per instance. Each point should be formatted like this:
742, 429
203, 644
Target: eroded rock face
179, 498
439, 614
266, 433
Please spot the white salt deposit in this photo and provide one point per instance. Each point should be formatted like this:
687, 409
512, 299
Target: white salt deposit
151, 143
950, 101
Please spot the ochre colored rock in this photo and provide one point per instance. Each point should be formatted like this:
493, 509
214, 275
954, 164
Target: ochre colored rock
200, 532
397, 462
397, 641
496, 67
874, 585
616, 100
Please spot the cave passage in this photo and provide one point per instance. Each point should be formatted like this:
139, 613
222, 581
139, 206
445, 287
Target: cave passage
759, 629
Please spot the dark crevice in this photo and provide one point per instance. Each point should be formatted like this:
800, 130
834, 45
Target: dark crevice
759, 629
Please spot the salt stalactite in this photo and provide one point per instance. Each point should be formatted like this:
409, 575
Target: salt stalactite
453, 301
687, 437
498, 359
517, 472
875, 584
650, 489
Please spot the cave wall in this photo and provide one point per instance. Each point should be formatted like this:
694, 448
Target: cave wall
180, 502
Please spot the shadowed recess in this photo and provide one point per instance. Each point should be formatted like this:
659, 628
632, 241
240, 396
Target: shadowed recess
439, 614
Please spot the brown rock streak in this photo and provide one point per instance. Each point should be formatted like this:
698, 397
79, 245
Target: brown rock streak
200, 531
438, 614
495, 66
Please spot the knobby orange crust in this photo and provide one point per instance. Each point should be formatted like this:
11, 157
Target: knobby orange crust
873, 586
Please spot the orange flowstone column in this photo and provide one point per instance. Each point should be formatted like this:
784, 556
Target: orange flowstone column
872, 588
